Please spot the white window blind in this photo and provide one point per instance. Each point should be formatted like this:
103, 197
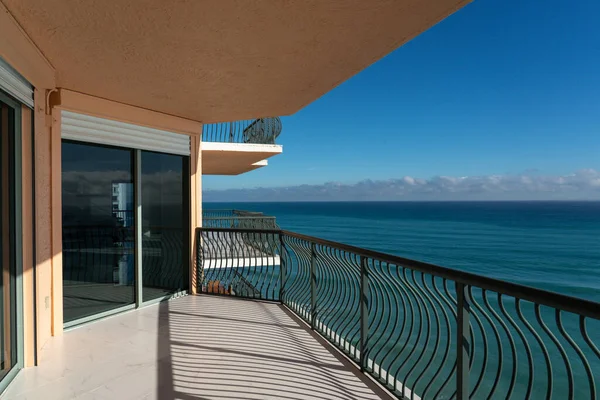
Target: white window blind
85, 128
15, 85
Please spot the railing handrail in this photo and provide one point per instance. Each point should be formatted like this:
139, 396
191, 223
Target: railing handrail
239, 230
243, 217
548, 298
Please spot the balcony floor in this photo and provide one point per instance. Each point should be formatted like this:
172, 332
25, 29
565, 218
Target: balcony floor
195, 347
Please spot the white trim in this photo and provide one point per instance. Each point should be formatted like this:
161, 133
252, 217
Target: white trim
15, 85
244, 147
85, 128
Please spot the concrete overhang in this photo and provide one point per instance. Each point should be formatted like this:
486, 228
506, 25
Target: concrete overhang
218, 60
235, 158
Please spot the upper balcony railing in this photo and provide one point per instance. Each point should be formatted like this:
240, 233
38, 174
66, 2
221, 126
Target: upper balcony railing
422, 331
256, 131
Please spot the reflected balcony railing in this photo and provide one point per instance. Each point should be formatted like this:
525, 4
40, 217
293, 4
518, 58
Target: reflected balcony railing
252, 131
422, 331
237, 219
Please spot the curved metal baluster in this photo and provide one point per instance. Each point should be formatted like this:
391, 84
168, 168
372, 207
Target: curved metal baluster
332, 298
353, 324
420, 331
297, 291
594, 349
304, 279
337, 280
437, 333
395, 312
530, 365
544, 349
448, 331
540, 343
453, 307
270, 269
229, 253
584, 361
378, 309
237, 255
294, 274
254, 255
284, 264
390, 302
562, 350
328, 296
221, 257
401, 291
513, 347
402, 277
351, 294
484, 338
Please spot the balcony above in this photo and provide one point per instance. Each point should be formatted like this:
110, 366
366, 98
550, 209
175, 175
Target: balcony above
233, 148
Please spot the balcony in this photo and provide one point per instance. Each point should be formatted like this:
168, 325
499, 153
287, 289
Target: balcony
284, 315
232, 148
420, 330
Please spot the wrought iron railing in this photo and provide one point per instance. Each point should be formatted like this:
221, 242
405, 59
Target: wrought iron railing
240, 257
259, 131
423, 331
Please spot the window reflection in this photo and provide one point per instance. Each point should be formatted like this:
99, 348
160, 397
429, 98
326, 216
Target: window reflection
164, 224
98, 229
8, 309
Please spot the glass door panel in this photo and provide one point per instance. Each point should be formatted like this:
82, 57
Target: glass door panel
165, 208
98, 229
8, 306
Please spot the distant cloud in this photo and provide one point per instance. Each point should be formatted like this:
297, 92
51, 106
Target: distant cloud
531, 185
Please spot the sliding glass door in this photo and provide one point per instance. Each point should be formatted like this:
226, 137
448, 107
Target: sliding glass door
165, 251
102, 228
98, 229
10, 292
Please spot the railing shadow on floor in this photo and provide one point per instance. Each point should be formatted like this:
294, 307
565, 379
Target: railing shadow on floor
227, 348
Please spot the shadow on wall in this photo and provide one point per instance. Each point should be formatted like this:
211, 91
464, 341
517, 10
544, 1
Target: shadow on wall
223, 348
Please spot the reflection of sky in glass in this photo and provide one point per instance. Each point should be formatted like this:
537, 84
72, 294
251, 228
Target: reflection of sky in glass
162, 189
88, 175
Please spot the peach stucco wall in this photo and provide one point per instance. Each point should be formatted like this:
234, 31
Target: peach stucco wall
23, 55
43, 220
19, 51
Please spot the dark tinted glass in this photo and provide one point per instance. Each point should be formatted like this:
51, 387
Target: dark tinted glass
164, 224
8, 307
98, 229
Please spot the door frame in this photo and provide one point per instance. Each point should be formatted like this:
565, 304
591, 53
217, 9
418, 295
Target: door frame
17, 240
138, 268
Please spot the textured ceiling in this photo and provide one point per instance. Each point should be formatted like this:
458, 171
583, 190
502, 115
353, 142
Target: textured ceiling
219, 60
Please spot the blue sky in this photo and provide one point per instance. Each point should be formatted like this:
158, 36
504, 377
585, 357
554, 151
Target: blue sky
502, 87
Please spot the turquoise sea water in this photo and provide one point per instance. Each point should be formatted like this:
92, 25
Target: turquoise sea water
549, 245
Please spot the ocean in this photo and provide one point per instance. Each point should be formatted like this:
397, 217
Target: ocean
548, 245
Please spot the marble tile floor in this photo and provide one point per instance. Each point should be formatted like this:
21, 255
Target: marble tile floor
194, 347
